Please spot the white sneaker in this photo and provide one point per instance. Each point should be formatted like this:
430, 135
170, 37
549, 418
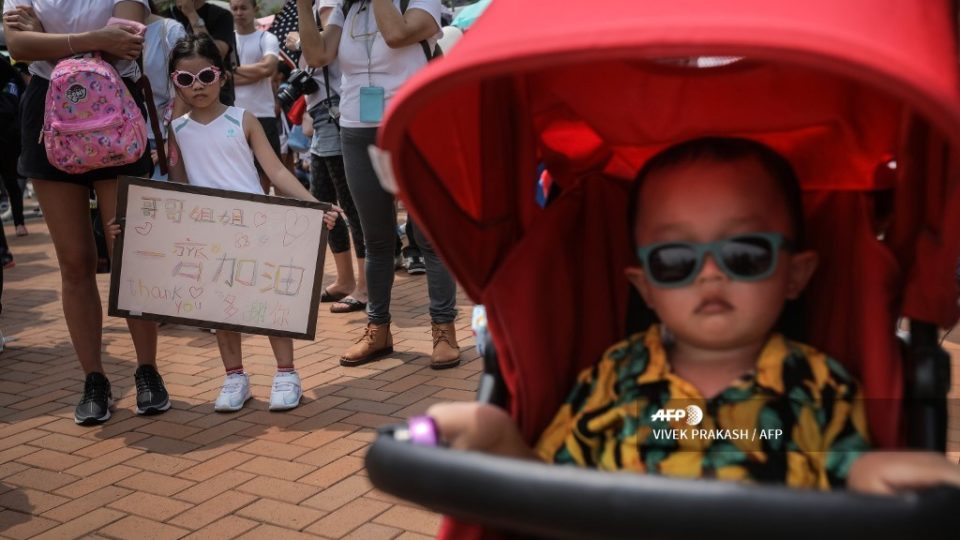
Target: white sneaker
286, 391
235, 392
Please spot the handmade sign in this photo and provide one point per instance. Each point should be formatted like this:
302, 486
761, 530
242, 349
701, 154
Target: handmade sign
218, 259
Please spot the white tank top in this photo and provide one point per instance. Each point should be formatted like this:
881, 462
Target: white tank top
217, 154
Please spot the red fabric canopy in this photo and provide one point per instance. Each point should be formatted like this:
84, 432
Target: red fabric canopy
839, 88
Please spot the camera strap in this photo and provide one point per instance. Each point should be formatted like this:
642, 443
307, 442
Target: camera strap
326, 82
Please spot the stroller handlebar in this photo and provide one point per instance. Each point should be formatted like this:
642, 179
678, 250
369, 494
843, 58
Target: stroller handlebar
569, 502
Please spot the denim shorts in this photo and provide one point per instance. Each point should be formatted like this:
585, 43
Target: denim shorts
326, 134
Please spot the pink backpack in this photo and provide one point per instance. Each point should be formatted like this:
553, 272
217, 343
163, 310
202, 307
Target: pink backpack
91, 120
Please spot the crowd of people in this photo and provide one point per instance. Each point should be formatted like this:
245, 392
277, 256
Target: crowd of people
209, 69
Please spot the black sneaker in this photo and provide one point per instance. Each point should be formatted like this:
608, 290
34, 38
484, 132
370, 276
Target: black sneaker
415, 266
152, 397
94, 407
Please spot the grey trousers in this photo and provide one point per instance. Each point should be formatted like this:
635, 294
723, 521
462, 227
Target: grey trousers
378, 218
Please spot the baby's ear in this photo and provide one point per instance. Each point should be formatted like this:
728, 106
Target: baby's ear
802, 266
638, 278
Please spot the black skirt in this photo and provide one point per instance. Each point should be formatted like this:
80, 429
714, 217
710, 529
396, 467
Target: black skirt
33, 162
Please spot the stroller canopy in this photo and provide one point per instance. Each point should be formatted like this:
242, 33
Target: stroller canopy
860, 95
840, 88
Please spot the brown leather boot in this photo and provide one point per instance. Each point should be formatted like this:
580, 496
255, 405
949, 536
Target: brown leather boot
446, 352
376, 341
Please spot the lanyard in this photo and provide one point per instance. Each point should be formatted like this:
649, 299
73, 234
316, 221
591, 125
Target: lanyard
367, 36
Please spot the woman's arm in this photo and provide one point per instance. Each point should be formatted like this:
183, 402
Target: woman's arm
199, 26
319, 48
399, 30
130, 10
279, 176
118, 41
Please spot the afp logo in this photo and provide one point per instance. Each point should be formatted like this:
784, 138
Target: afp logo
76, 93
692, 414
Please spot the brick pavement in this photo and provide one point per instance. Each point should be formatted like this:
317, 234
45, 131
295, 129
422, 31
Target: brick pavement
194, 473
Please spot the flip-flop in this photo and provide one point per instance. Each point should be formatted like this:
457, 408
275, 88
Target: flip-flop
327, 296
352, 305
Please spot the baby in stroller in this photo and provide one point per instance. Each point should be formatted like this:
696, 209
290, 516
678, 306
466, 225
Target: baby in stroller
712, 391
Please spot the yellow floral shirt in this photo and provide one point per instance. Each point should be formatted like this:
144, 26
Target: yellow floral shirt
797, 419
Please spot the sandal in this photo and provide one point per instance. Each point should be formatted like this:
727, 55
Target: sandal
351, 303
22, 230
327, 296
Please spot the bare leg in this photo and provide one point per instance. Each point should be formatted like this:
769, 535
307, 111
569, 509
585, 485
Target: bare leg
67, 210
143, 333
283, 351
345, 281
230, 353
360, 292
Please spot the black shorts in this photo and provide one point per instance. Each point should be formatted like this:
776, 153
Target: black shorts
33, 157
271, 126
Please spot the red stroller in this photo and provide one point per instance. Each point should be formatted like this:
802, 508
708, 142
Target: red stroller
863, 96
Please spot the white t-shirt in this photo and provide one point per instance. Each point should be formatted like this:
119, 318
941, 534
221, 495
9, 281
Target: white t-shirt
258, 97
71, 17
388, 68
158, 43
217, 154
333, 68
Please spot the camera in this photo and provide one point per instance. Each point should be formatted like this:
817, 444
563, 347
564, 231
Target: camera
299, 82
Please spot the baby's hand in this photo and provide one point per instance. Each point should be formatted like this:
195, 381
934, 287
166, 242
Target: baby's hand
481, 427
891, 472
112, 230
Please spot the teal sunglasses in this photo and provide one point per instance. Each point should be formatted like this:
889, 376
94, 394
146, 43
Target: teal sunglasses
745, 257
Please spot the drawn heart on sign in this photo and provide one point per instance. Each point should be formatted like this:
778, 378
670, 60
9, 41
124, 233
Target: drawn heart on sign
195, 292
294, 227
144, 229
259, 219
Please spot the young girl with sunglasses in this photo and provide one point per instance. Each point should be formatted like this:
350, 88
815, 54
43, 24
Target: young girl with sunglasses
214, 145
712, 391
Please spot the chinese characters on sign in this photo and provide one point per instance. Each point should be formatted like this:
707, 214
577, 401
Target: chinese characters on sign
219, 259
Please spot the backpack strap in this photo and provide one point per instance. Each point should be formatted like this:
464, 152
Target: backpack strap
144, 84
404, 4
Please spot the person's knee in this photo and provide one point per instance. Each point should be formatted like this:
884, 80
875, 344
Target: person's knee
380, 243
78, 268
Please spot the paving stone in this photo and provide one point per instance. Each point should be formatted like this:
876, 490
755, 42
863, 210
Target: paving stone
413, 519
281, 514
150, 506
213, 509
348, 518
82, 525
137, 528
